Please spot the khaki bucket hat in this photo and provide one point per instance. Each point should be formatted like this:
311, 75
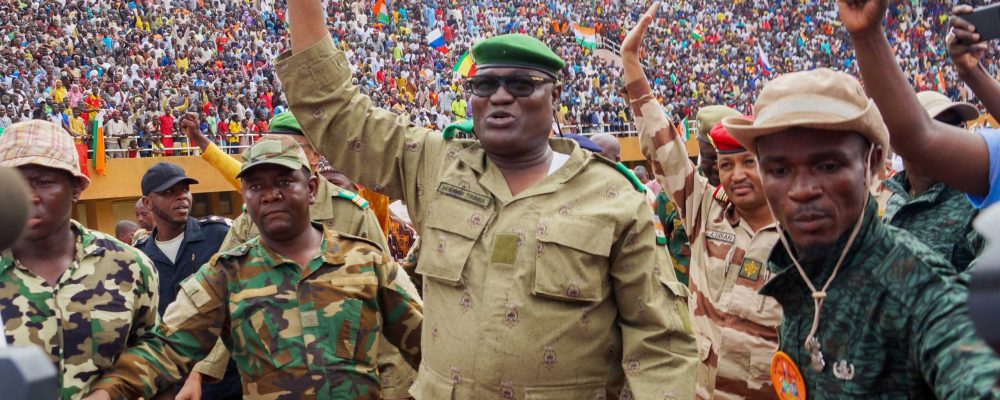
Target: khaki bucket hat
936, 103
820, 99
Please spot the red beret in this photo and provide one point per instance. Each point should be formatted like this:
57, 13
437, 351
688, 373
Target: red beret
724, 142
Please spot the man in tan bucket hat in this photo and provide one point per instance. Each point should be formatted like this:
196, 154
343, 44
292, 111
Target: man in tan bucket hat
938, 215
80, 295
869, 311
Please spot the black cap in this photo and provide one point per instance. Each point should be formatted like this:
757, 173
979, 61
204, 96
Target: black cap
163, 176
585, 142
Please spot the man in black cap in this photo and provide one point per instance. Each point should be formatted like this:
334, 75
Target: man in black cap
179, 244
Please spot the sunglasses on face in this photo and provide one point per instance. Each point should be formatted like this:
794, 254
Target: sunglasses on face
516, 85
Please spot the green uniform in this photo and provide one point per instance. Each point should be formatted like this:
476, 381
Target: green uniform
941, 217
677, 241
894, 324
297, 332
557, 292
101, 305
344, 211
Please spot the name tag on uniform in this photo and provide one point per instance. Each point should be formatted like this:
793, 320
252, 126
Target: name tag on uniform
450, 190
721, 236
751, 269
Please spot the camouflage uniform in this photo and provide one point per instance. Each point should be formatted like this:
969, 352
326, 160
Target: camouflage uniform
101, 305
677, 241
343, 211
553, 293
737, 328
296, 332
941, 218
139, 234
894, 324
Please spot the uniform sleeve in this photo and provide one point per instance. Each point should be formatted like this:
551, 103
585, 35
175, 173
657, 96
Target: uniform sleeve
224, 163
658, 346
954, 361
344, 125
672, 168
146, 317
402, 309
191, 326
214, 366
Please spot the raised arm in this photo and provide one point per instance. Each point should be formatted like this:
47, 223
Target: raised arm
926, 143
658, 138
965, 50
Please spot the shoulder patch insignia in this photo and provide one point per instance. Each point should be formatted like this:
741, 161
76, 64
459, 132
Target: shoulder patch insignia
751, 269
353, 197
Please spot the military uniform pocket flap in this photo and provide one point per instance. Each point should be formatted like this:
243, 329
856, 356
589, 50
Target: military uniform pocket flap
588, 236
354, 280
676, 288
594, 390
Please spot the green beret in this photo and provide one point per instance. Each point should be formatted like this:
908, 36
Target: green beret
516, 51
453, 128
284, 123
709, 116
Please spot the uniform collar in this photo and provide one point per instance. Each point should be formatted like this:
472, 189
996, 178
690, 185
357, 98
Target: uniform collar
786, 277
192, 232
900, 186
86, 246
330, 250
492, 179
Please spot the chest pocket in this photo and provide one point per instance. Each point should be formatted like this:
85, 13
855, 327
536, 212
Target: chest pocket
572, 259
452, 229
257, 331
110, 331
345, 309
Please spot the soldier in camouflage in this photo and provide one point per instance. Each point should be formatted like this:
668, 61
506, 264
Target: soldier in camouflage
869, 311
300, 306
937, 214
733, 233
80, 295
339, 210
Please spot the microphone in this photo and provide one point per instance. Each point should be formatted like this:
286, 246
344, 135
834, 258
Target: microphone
15, 207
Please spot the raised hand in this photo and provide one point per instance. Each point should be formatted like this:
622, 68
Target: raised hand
862, 16
964, 46
630, 46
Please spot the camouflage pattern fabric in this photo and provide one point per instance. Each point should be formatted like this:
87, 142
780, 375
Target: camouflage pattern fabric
558, 292
677, 240
737, 328
335, 209
100, 306
894, 324
295, 332
941, 218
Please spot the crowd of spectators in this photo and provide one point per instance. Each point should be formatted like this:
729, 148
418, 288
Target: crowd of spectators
135, 66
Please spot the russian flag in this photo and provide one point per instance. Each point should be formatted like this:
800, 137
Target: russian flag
436, 40
762, 62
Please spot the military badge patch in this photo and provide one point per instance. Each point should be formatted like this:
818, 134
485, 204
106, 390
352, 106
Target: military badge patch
751, 269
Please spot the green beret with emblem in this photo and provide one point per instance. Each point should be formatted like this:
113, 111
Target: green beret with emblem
285, 124
517, 51
709, 116
276, 150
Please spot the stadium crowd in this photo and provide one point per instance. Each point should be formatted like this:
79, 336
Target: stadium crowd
137, 65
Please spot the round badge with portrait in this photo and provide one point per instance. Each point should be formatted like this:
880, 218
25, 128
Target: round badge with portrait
786, 378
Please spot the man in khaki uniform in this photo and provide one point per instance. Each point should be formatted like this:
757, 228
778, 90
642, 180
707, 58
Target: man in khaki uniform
542, 276
335, 208
732, 233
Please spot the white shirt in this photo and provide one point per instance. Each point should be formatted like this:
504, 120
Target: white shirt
171, 247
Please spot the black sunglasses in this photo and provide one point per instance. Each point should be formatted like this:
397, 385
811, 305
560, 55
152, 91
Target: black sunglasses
516, 85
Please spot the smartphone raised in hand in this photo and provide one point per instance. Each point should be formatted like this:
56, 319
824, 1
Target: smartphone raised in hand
987, 21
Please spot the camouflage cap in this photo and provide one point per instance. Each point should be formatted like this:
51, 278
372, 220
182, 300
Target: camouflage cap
283, 151
41, 143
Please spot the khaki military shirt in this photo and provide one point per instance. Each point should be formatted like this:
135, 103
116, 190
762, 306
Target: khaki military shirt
558, 292
100, 306
343, 211
295, 331
737, 328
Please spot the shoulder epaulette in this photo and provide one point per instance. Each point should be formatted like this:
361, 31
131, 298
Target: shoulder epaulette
353, 197
347, 236
214, 219
237, 251
720, 195
622, 169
